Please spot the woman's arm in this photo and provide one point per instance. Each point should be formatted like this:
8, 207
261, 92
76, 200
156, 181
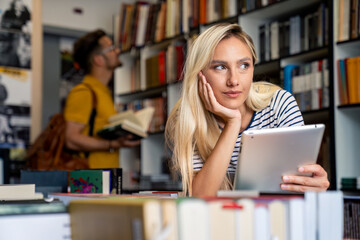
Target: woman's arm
209, 179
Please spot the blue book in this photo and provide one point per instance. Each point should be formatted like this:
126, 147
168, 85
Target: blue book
288, 73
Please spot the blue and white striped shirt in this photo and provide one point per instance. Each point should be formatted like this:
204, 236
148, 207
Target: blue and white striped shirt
282, 111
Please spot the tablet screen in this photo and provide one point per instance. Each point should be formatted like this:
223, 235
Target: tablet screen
268, 154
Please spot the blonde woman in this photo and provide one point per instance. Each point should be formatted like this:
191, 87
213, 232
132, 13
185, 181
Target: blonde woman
219, 101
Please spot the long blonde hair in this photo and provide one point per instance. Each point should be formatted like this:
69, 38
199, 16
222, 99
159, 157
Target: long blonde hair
190, 126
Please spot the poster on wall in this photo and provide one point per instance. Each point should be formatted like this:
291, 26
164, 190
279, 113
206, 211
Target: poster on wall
15, 15
15, 100
15, 73
70, 76
15, 50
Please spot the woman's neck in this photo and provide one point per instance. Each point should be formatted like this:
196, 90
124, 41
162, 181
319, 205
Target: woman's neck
246, 116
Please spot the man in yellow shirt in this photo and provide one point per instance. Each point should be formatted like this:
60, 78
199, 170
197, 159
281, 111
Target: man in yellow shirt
98, 57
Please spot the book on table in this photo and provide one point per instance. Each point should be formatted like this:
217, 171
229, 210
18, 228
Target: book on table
18, 192
34, 219
128, 122
90, 181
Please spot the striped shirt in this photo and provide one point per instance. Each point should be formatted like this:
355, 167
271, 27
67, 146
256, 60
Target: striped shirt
282, 111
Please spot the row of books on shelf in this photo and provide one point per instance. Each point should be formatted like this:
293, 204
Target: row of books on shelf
161, 68
294, 35
351, 217
347, 24
144, 22
166, 66
313, 216
327, 215
349, 80
214, 10
309, 84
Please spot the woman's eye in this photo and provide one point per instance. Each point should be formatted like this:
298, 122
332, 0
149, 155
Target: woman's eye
219, 67
244, 66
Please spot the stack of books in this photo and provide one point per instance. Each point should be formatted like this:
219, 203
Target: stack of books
265, 217
350, 183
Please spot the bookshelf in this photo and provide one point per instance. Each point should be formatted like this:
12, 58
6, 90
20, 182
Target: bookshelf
303, 53
347, 116
338, 153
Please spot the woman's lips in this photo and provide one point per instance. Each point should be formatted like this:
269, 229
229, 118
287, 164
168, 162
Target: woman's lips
232, 94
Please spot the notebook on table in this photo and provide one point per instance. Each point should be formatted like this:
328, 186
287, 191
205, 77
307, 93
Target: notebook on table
268, 154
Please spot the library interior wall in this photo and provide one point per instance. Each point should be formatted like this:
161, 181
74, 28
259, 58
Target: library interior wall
95, 14
60, 20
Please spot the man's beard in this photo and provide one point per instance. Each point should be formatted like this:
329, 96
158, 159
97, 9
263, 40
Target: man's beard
112, 67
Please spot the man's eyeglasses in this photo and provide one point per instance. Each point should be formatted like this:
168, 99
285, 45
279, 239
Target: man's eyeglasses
108, 49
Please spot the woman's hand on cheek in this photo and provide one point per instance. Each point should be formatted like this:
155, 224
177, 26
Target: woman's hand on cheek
318, 180
211, 104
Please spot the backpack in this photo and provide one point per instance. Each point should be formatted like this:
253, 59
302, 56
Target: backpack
48, 151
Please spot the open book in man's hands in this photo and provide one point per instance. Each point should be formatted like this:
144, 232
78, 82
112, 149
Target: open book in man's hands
128, 122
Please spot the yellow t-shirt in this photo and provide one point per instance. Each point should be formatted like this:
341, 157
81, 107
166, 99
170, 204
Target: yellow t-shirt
78, 109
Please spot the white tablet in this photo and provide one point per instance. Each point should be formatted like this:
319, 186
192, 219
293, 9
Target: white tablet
268, 154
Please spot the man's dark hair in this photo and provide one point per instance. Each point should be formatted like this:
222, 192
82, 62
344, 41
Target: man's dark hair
85, 47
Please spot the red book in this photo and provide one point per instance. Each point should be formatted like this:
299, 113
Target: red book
162, 67
179, 61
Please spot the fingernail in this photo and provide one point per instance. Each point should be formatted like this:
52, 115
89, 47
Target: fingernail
286, 178
283, 186
301, 169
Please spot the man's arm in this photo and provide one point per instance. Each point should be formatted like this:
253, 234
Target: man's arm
75, 140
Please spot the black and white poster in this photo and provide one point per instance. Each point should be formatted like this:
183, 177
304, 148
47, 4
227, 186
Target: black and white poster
15, 49
15, 15
15, 73
15, 100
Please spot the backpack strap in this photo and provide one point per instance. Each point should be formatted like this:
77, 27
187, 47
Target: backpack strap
93, 112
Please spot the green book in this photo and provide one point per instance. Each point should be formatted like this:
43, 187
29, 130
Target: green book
90, 181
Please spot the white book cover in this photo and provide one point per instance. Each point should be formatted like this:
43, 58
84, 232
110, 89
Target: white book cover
193, 219
297, 219
245, 220
54, 226
262, 222
141, 29
232, 6
310, 215
330, 215
274, 27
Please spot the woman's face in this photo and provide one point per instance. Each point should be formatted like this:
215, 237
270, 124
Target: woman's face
230, 72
